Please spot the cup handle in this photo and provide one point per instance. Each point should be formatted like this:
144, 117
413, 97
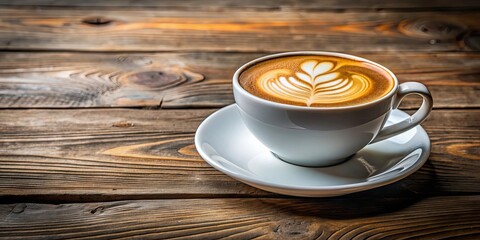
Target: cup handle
417, 118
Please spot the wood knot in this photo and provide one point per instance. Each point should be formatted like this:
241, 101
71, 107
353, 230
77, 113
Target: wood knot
123, 124
293, 228
428, 28
97, 210
189, 150
19, 208
164, 79
163, 149
97, 21
465, 150
472, 40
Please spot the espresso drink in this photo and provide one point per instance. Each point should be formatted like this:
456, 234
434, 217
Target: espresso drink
317, 81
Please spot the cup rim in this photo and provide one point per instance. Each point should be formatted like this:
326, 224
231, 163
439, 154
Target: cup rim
240, 89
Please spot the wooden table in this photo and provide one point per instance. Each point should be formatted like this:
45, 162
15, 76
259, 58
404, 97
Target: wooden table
100, 103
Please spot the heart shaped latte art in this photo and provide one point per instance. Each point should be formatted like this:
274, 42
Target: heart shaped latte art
317, 83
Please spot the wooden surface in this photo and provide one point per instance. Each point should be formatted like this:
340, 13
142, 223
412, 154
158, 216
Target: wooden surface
367, 5
235, 30
121, 153
99, 103
182, 80
247, 218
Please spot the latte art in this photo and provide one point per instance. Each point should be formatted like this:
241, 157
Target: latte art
316, 81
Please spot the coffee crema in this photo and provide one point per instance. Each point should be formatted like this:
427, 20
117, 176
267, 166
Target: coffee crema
316, 81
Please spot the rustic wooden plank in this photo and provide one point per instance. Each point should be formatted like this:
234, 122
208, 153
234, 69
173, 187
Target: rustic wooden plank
266, 4
108, 154
334, 218
236, 30
179, 80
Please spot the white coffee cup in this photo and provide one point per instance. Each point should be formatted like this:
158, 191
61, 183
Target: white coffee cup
312, 136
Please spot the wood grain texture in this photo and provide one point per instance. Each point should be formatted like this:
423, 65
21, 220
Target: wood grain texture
333, 218
236, 30
264, 5
112, 154
134, 173
181, 80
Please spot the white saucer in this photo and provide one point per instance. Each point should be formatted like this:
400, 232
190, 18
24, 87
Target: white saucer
225, 143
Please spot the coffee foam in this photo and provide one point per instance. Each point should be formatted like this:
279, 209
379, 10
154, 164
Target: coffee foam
316, 81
